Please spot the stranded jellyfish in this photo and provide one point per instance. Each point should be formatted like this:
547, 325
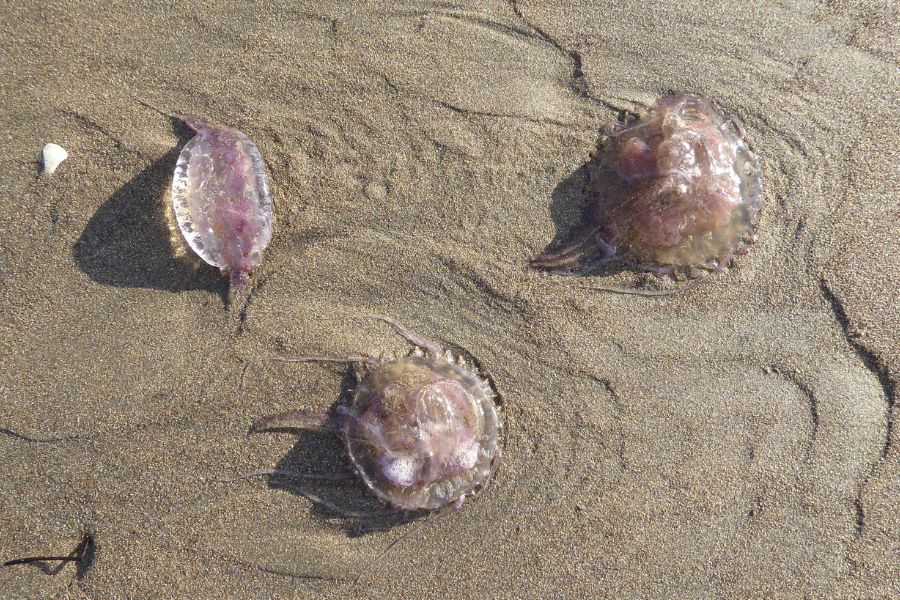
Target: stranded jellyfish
422, 431
677, 187
221, 198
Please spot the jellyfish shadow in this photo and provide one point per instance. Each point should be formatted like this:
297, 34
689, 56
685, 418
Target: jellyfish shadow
324, 452
570, 201
129, 242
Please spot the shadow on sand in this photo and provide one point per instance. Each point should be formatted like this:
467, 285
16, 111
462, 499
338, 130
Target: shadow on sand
318, 452
569, 201
128, 241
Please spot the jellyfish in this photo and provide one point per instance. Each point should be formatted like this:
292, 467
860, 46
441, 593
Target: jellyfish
221, 198
673, 189
422, 431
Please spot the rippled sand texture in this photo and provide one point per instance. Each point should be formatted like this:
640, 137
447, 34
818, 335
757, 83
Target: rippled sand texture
737, 440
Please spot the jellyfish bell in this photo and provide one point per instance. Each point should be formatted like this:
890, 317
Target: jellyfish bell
221, 198
423, 431
675, 188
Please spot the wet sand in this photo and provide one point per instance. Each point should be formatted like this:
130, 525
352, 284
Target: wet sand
738, 440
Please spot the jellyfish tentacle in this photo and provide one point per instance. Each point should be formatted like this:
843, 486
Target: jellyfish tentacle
613, 289
194, 123
608, 251
318, 499
297, 419
570, 257
345, 476
431, 349
353, 358
724, 260
428, 519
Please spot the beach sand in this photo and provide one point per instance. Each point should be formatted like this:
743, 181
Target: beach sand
739, 440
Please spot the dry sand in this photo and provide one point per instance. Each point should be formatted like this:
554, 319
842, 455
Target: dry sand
739, 440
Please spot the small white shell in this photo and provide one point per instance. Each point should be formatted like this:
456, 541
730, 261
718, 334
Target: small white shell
54, 154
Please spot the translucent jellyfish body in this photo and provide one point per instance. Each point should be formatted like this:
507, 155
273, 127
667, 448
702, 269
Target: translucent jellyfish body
675, 188
422, 431
221, 199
